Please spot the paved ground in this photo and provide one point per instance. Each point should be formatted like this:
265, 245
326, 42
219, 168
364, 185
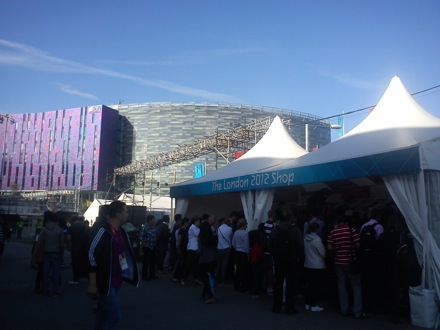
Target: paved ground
159, 304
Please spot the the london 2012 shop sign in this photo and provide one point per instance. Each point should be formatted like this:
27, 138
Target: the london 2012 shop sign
253, 181
399, 161
240, 183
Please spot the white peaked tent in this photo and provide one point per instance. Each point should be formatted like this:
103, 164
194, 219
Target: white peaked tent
150, 201
398, 141
274, 148
92, 211
397, 122
157, 202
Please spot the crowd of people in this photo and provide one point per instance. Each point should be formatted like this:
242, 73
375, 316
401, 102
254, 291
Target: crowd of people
364, 261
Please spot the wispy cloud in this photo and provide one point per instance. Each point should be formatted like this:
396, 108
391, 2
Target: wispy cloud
16, 54
72, 91
192, 57
350, 81
140, 63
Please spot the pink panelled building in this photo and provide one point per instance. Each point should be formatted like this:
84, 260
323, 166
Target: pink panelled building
56, 150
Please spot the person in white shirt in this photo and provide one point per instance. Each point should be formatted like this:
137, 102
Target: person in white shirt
224, 236
240, 242
192, 251
314, 265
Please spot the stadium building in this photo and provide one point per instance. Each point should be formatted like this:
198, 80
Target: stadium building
74, 152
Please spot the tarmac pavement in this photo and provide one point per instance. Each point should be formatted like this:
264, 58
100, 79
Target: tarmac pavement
157, 304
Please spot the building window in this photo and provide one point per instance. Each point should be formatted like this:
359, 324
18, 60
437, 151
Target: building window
51, 176
73, 175
23, 179
66, 176
39, 177
16, 175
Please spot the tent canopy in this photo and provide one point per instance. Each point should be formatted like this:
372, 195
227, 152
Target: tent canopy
386, 142
275, 147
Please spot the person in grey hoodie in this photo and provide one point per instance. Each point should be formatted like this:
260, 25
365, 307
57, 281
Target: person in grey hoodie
314, 265
51, 240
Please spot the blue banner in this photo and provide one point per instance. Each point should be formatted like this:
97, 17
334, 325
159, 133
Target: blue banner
400, 161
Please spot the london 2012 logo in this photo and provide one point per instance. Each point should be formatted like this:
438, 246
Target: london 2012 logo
94, 109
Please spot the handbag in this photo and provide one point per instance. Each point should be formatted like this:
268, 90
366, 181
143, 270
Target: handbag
354, 266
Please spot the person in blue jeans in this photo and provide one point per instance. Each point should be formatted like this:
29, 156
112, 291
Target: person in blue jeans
112, 261
51, 242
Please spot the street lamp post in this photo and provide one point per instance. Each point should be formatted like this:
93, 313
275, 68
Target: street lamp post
306, 132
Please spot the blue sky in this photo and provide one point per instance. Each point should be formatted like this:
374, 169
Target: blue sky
319, 57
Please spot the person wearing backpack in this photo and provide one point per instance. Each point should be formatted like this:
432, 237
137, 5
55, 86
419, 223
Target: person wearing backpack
371, 255
286, 248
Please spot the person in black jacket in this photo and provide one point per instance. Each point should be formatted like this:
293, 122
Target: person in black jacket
287, 248
78, 235
112, 261
207, 261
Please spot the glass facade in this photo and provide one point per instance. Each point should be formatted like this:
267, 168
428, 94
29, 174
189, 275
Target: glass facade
79, 148
153, 128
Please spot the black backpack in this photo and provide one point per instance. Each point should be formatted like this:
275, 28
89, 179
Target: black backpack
281, 242
368, 238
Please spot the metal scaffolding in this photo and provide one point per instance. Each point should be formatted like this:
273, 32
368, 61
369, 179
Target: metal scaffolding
243, 136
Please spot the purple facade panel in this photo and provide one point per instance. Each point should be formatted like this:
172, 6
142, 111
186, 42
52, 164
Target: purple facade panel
55, 150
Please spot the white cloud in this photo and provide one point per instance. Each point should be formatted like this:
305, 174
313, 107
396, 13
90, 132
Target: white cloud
186, 58
140, 63
69, 90
16, 54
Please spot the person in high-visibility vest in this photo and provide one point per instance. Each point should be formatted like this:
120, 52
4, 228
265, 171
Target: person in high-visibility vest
38, 227
20, 227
